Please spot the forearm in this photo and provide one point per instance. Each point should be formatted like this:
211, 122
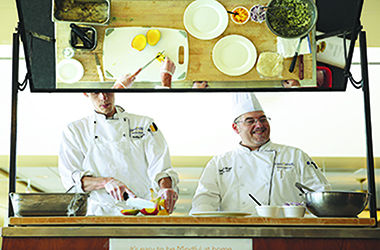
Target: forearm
166, 80
94, 183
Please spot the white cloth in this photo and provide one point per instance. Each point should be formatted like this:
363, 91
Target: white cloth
288, 46
273, 168
243, 103
126, 148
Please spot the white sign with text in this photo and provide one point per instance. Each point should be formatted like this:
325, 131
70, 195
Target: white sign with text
180, 244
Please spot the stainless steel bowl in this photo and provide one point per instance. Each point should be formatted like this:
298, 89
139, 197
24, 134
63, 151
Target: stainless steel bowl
49, 204
280, 20
336, 203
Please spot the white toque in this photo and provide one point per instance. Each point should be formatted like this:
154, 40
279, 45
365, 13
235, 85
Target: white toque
243, 103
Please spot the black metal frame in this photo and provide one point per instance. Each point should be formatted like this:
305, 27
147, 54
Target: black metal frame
364, 85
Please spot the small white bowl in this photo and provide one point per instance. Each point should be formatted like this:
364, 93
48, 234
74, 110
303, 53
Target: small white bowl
69, 70
268, 211
293, 211
245, 10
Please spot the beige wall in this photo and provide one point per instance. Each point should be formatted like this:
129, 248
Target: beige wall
370, 21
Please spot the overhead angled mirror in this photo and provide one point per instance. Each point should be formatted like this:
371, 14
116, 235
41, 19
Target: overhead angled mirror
184, 45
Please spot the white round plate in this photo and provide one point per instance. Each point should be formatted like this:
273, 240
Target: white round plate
69, 71
234, 55
205, 19
221, 214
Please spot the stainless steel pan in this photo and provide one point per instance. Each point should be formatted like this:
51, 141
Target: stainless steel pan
49, 204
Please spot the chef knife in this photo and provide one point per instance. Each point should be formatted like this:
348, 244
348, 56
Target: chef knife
146, 65
293, 64
99, 69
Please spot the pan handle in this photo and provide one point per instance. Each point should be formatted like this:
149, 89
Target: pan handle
302, 187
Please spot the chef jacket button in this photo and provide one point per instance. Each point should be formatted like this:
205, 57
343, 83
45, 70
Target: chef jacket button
125, 119
96, 137
124, 135
94, 122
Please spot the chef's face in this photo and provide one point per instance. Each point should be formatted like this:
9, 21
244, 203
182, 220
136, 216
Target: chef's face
104, 103
253, 128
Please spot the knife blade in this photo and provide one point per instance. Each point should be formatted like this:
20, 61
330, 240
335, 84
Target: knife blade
139, 203
294, 60
146, 65
99, 69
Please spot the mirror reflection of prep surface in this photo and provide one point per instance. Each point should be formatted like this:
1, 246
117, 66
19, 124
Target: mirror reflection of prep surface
137, 14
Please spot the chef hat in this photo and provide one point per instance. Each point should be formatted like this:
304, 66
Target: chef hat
244, 103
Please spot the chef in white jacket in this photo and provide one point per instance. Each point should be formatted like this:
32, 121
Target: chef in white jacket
257, 166
112, 153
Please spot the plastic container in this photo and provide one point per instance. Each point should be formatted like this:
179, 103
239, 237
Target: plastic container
270, 64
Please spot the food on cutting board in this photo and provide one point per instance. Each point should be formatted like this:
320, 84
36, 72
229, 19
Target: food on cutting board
139, 42
159, 209
242, 15
149, 211
130, 211
270, 64
290, 18
160, 56
81, 11
153, 36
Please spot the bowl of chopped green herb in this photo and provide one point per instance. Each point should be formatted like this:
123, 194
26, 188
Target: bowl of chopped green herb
291, 18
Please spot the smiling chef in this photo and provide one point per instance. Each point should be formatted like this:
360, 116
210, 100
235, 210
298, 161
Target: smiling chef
257, 166
112, 153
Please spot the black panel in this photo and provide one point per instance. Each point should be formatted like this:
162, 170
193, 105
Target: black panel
339, 15
35, 20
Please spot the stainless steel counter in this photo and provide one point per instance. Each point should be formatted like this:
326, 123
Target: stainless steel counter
191, 231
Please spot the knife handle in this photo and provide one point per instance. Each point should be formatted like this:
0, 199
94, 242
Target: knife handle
125, 196
301, 68
137, 72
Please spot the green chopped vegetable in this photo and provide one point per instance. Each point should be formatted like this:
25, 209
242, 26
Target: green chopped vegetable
290, 18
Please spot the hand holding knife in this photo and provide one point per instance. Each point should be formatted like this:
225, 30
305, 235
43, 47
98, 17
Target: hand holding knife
146, 65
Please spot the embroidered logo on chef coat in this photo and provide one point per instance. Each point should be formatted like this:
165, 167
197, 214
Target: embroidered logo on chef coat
137, 132
224, 170
284, 165
312, 164
152, 127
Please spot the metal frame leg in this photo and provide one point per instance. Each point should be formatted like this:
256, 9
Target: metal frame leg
15, 85
367, 113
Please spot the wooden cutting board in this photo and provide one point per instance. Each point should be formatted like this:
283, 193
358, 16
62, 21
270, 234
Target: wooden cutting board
120, 58
189, 220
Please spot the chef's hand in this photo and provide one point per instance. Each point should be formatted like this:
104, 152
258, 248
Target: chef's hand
290, 83
200, 84
167, 70
116, 189
124, 82
170, 196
